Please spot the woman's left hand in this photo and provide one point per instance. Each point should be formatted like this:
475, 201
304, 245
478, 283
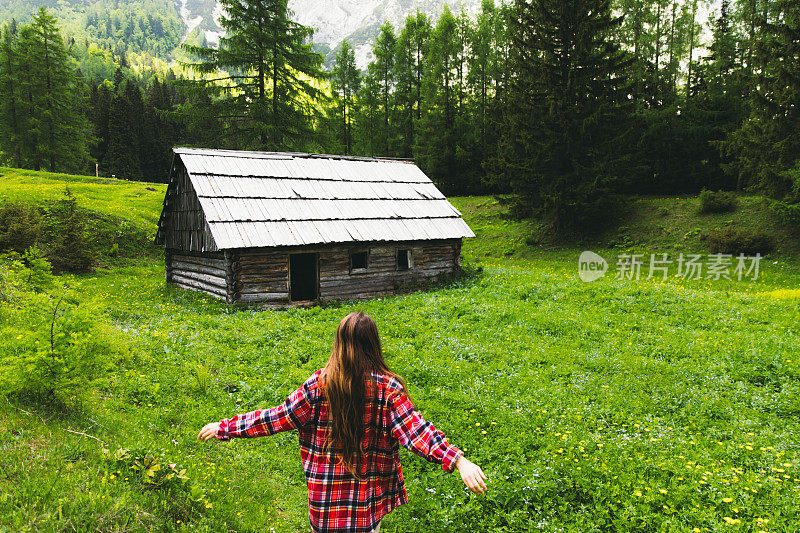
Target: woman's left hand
209, 431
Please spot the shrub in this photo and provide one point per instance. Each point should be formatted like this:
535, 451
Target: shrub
20, 225
717, 202
736, 241
788, 213
69, 249
53, 349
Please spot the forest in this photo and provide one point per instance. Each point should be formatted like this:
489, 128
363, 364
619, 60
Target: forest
562, 107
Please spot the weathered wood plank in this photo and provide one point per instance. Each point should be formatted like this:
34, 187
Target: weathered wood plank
250, 288
205, 279
196, 267
264, 297
194, 285
258, 268
198, 260
344, 286
263, 278
359, 276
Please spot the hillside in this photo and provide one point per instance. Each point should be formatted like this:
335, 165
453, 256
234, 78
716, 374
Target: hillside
653, 224
137, 202
617, 405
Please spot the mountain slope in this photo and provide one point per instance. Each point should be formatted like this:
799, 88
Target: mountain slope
158, 27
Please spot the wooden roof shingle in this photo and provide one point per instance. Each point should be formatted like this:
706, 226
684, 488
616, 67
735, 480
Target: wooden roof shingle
265, 199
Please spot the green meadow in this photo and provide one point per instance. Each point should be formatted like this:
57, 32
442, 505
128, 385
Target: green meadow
617, 405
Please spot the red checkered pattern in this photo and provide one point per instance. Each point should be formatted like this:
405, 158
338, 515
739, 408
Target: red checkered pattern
337, 501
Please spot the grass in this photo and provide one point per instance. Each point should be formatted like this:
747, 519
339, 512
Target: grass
617, 405
137, 202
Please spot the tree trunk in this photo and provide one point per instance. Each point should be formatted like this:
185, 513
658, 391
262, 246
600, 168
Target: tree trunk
691, 50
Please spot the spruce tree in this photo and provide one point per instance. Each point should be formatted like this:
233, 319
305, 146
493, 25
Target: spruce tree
768, 143
11, 119
123, 158
384, 71
406, 90
369, 122
262, 78
346, 80
443, 140
58, 132
563, 146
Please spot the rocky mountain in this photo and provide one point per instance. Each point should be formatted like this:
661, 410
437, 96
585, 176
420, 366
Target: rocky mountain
358, 21
159, 26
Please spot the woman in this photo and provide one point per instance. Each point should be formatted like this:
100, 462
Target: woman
351, 415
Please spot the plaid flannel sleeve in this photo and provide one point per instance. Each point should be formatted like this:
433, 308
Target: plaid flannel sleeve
420, 436
295, 412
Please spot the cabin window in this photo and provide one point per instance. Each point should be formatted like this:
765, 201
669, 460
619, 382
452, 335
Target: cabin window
358, 261
403, 259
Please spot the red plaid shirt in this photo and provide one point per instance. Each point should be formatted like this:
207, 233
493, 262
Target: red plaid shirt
337, 501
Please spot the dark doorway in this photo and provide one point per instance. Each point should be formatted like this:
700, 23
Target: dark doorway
302, 277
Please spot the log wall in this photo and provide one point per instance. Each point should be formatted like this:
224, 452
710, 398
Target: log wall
206, 272
261, 275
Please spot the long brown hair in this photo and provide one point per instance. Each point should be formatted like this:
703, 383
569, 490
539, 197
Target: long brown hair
346, 385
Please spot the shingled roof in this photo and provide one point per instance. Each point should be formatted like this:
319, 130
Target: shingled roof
266, 199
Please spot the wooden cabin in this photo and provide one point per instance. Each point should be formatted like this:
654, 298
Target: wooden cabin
283, 228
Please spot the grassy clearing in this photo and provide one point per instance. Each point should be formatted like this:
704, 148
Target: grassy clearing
137, 202
617, 405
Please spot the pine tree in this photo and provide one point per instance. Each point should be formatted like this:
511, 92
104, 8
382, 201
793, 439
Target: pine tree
346, 80
420, 42
369, 121
58, 132
384, 72
435, 147
562, 150
482, 67
768, 143
11, 120
100, 107
261, 79
123, 158
406, 95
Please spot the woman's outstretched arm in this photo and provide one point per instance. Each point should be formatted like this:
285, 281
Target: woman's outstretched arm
296, 411
422, 438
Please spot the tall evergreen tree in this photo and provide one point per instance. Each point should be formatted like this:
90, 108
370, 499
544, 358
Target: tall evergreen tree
436, 143
767, 145
11, 121
384, 72
370, 121
562, 150
420, 40
56, 133
123, 158
262, 77
100, 107
346, 80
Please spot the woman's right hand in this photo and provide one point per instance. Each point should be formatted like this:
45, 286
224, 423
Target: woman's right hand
471, 475
209, 431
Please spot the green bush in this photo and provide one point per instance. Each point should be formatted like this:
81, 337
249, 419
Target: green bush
788, 213
717, 202
19, 226
69, 249
54, 349
737, 241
